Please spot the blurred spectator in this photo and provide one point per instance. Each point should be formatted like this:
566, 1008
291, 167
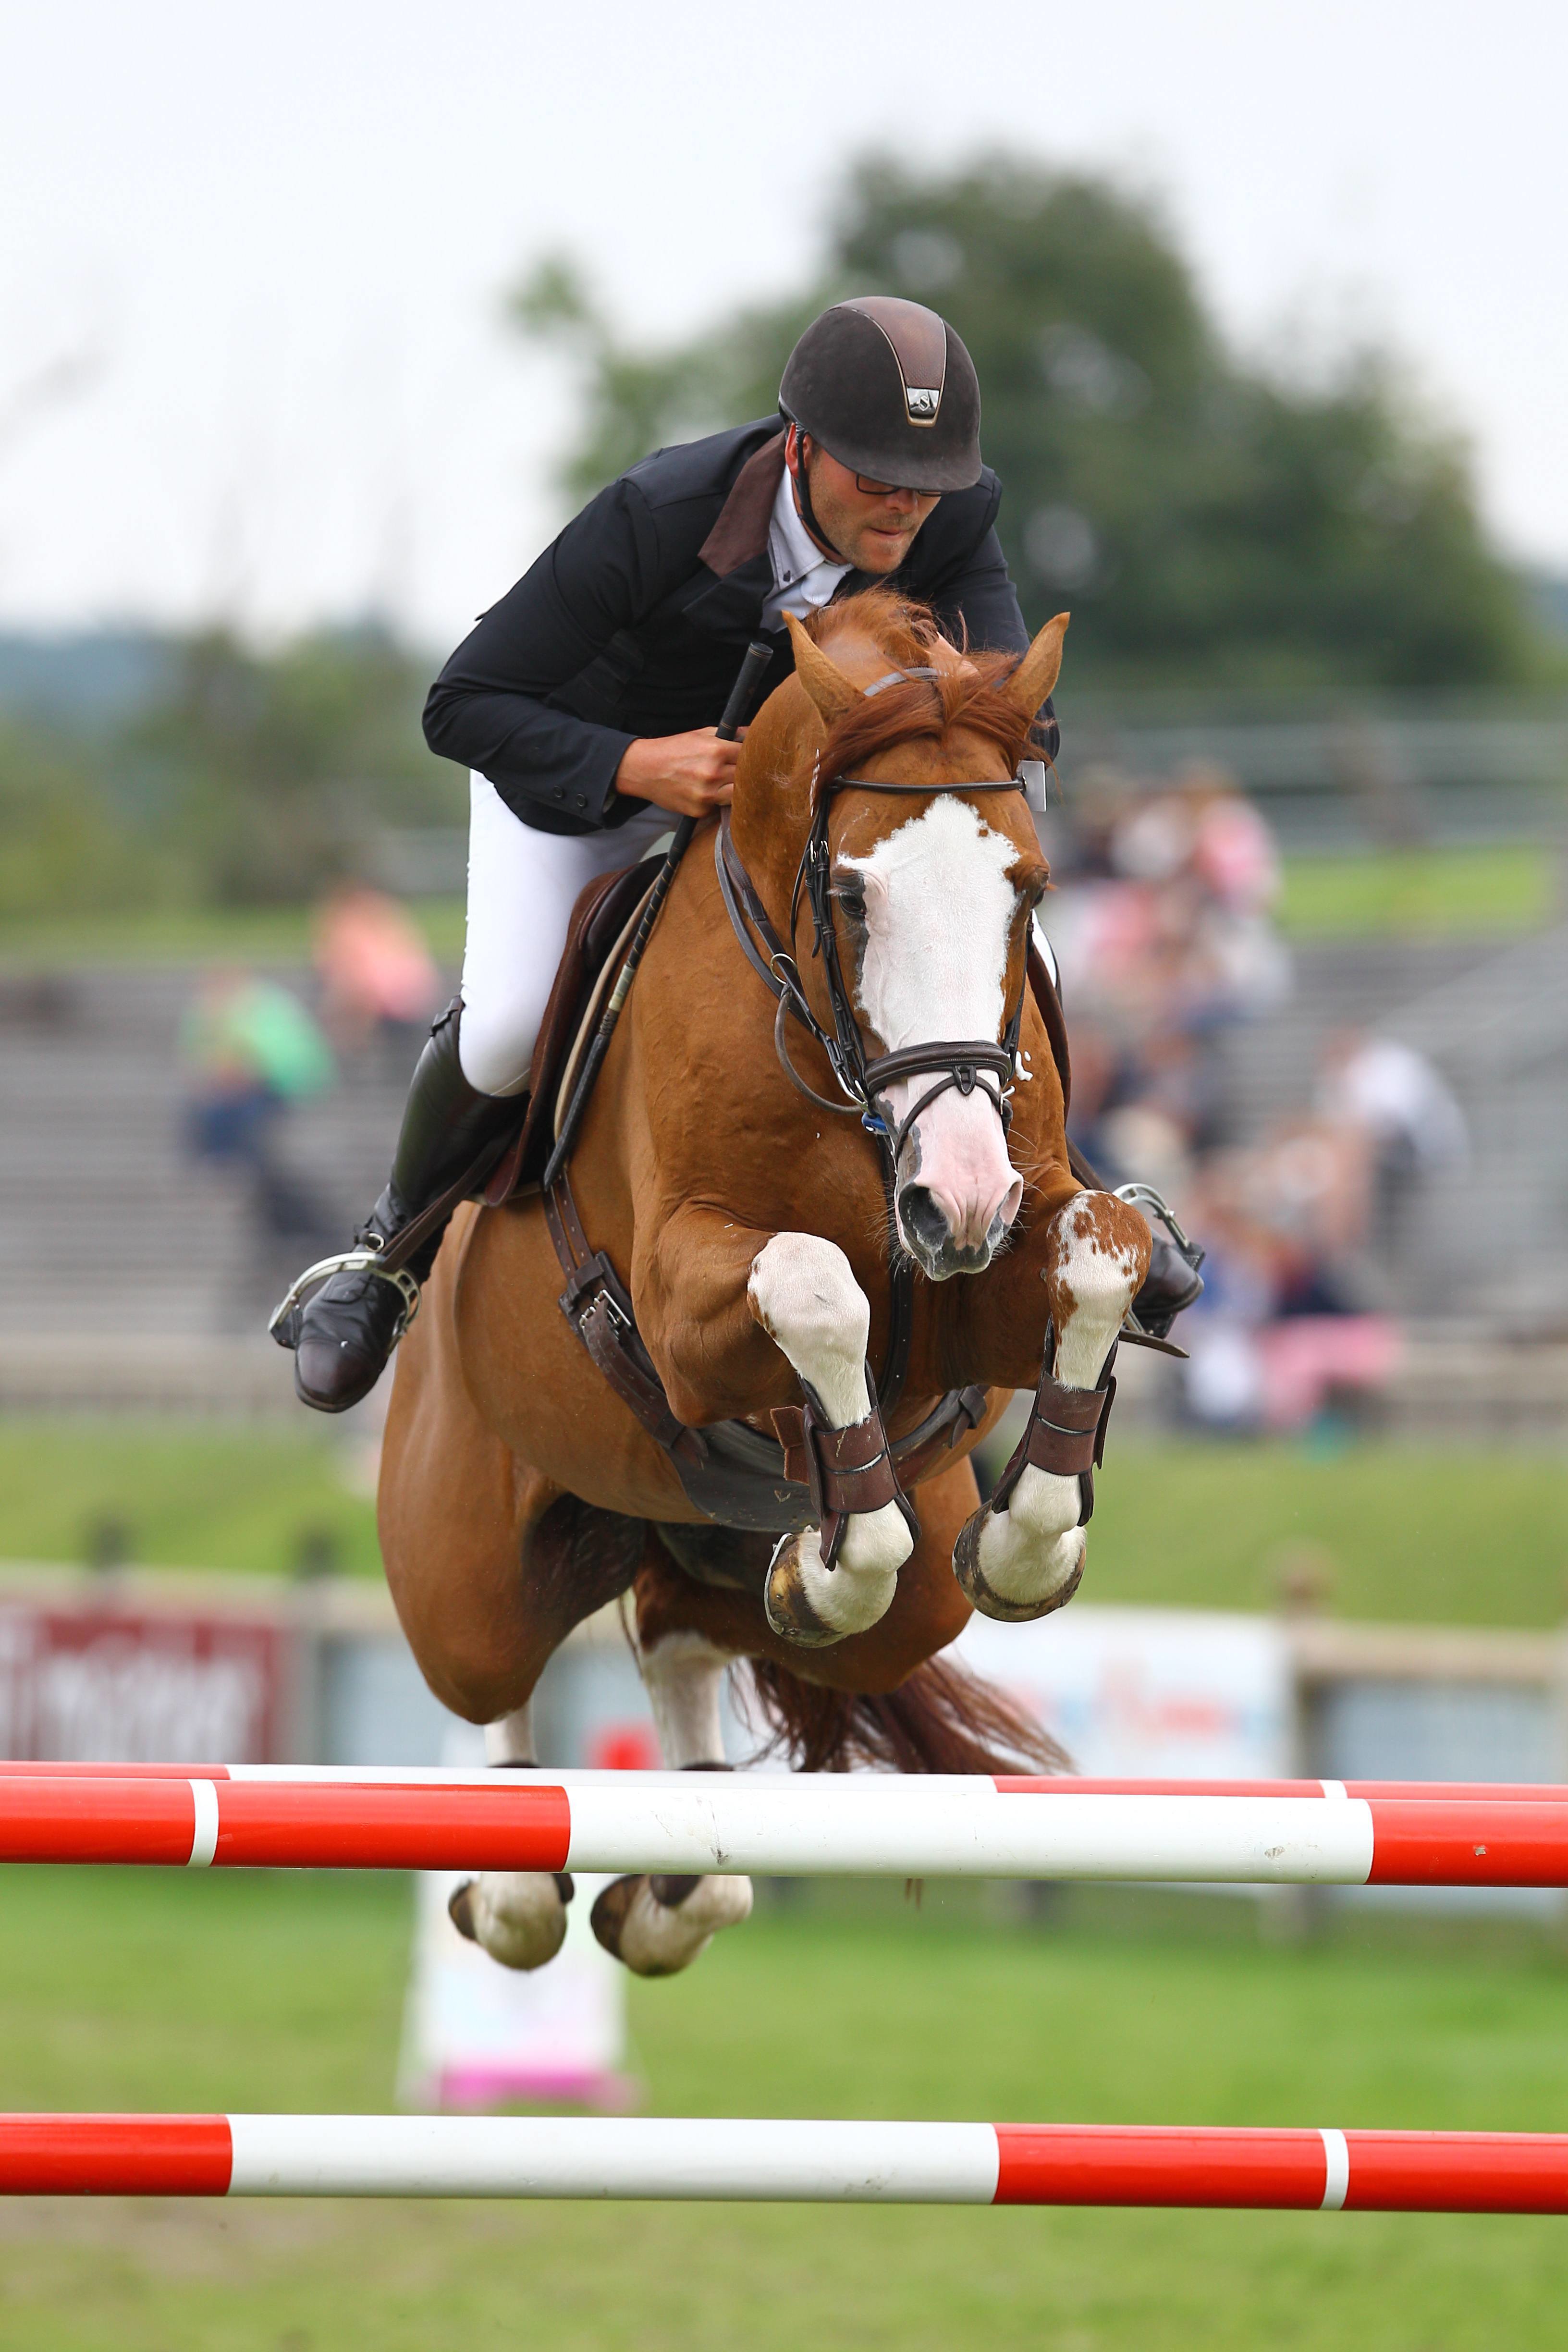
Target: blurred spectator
1164, 931
1165, 937
1393, 1097
250, 1051
378, 980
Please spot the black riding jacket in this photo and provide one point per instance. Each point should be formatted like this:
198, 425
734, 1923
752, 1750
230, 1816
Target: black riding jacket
635, 620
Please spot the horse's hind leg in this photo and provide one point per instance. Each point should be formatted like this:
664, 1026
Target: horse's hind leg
1026, 1558
658, 1925
490, 1567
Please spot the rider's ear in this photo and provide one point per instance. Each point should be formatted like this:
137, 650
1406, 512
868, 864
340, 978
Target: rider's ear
1037, 673
832, 692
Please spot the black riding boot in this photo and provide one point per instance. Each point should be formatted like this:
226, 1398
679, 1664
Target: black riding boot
343, 1336
1172, 1283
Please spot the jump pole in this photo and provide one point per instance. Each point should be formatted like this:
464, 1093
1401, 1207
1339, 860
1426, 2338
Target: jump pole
437, 1776
680, 2159
849, 1825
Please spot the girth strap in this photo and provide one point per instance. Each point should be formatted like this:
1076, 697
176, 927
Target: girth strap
595, 1302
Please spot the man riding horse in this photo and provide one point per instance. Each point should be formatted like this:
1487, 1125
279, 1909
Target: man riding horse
585, 705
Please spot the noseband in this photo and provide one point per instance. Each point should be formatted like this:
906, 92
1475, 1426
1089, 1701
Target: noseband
864, 1080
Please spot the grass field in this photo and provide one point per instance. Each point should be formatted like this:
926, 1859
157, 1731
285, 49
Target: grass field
1447, 893
1490, 889
1440, 1537
125, 1990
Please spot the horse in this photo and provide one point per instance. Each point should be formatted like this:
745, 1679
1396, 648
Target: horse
738, 1255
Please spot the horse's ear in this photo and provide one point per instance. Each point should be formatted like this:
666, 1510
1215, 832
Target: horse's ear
832, 692
1037, 673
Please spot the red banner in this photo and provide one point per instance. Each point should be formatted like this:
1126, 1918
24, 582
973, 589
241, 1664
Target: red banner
144, 1686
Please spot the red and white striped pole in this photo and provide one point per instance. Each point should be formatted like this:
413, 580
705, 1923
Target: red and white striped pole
848, 2163
860, 1825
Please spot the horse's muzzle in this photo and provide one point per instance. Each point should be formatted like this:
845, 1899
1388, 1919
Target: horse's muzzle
945, 1239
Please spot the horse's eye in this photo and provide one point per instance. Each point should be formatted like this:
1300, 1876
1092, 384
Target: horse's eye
850, 893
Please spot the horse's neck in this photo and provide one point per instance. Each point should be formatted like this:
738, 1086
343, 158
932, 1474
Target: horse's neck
769, 836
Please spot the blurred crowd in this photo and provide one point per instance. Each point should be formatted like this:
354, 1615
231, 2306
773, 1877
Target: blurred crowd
1164, 926
1164, 922
253, 1050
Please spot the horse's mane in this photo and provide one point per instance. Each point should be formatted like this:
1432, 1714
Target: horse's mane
921, 708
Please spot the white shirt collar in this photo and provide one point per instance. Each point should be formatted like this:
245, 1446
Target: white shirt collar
803, 578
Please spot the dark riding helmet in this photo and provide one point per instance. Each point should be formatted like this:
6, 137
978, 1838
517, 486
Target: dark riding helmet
888, 390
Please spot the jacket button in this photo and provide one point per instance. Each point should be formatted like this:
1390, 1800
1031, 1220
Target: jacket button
582, 799
560, 794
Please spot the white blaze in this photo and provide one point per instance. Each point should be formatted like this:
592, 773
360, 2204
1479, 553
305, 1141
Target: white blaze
939, 916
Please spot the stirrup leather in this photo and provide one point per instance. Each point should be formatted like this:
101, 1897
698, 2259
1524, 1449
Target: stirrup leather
363, 1258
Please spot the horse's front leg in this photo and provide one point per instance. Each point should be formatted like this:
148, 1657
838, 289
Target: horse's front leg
1022, 1554
806, 1298
724, 1306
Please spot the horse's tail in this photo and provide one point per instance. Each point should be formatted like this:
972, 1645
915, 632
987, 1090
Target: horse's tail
942, 1718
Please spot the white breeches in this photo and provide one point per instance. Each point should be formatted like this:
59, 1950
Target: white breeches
522, 885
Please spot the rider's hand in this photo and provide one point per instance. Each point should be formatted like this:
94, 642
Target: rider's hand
689, 775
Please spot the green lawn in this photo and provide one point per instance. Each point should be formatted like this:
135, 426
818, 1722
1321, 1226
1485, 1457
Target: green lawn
1404, 1532
1486, 890
125, 1990
1423, 893
198, 934
188, 1493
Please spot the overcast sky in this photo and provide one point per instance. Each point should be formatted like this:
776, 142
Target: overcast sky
279, 235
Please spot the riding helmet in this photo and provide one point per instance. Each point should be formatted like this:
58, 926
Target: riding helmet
888, 390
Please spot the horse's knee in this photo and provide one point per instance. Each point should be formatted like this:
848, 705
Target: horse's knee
802, 1292
1097, 1254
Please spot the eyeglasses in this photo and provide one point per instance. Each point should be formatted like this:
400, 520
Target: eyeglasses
893, 491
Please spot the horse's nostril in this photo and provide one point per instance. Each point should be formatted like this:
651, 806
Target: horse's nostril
923, 1217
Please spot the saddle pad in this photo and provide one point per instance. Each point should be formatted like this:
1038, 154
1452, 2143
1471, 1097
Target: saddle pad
598, 919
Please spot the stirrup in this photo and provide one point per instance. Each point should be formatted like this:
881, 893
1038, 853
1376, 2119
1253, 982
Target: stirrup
363, 1258
1151, 1203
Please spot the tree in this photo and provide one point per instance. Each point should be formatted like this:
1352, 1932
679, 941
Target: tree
1207, 521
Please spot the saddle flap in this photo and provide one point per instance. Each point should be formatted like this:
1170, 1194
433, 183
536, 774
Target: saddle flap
598, 919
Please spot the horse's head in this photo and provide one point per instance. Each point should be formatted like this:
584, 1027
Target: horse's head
931, 898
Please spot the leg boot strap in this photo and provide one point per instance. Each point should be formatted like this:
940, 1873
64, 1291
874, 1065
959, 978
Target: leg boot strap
844, 1470
1065, 1433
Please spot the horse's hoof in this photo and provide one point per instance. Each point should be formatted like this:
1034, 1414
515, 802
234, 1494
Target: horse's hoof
984, 1596
658, 1926
788, 1605
518, 1917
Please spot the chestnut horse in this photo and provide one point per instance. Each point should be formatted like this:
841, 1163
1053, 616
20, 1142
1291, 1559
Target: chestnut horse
753, 1233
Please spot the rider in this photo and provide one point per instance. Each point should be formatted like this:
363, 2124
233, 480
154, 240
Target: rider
585, 703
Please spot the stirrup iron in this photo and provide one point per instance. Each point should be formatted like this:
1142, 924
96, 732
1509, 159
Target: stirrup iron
1151, 1205
363, 1258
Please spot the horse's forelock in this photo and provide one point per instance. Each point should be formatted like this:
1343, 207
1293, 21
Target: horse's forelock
930, 710
972, 698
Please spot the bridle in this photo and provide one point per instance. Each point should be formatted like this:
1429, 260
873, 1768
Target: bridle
958, 1065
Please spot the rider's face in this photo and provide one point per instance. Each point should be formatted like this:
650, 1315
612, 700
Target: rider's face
873, 529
